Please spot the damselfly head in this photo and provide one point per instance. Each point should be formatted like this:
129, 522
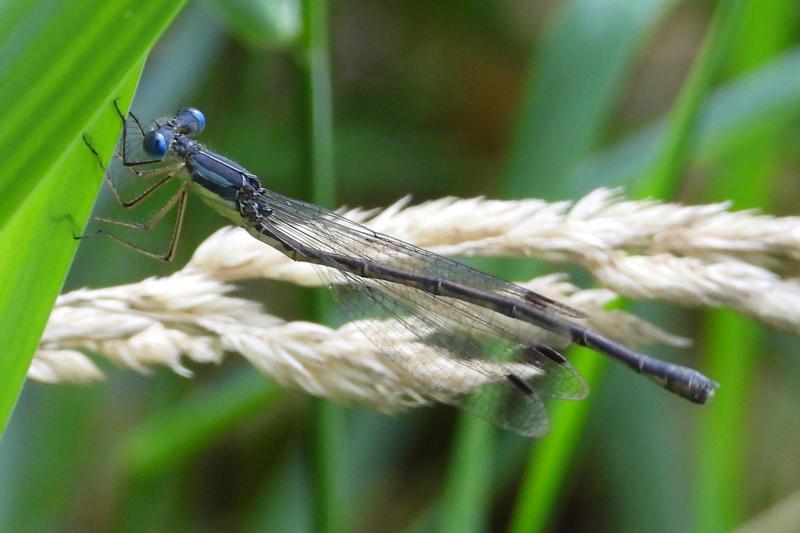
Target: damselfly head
156, 144
190, 121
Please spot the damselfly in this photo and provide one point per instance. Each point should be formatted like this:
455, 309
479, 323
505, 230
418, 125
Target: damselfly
497, 339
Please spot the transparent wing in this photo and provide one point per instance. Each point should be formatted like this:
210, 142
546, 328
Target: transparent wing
329, 232
456, 358
457, 352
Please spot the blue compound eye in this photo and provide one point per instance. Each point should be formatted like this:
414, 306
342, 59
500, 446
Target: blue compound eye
192, 120
155, 144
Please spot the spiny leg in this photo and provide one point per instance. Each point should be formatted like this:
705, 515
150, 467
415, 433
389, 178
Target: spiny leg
180, 199
155, 219
166, 172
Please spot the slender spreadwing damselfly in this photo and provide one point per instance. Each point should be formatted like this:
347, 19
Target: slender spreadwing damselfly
499, 340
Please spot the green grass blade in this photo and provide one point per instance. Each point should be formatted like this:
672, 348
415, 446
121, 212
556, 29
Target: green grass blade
770, 94
681, 130
62, 64
173, 434
575, 80
672, 159
328, 470
662, 181
560, 120
466, 498
550, 460
732, 341
561, 126
544, 476
318, 96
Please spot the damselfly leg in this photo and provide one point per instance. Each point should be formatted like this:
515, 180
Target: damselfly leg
163, 173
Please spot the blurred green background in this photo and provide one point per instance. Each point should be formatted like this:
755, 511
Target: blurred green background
695, 101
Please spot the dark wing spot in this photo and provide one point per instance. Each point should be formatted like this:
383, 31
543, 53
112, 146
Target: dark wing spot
551, 354
519, 383
533, 354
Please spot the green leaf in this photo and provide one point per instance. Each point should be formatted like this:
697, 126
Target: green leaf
62, 65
